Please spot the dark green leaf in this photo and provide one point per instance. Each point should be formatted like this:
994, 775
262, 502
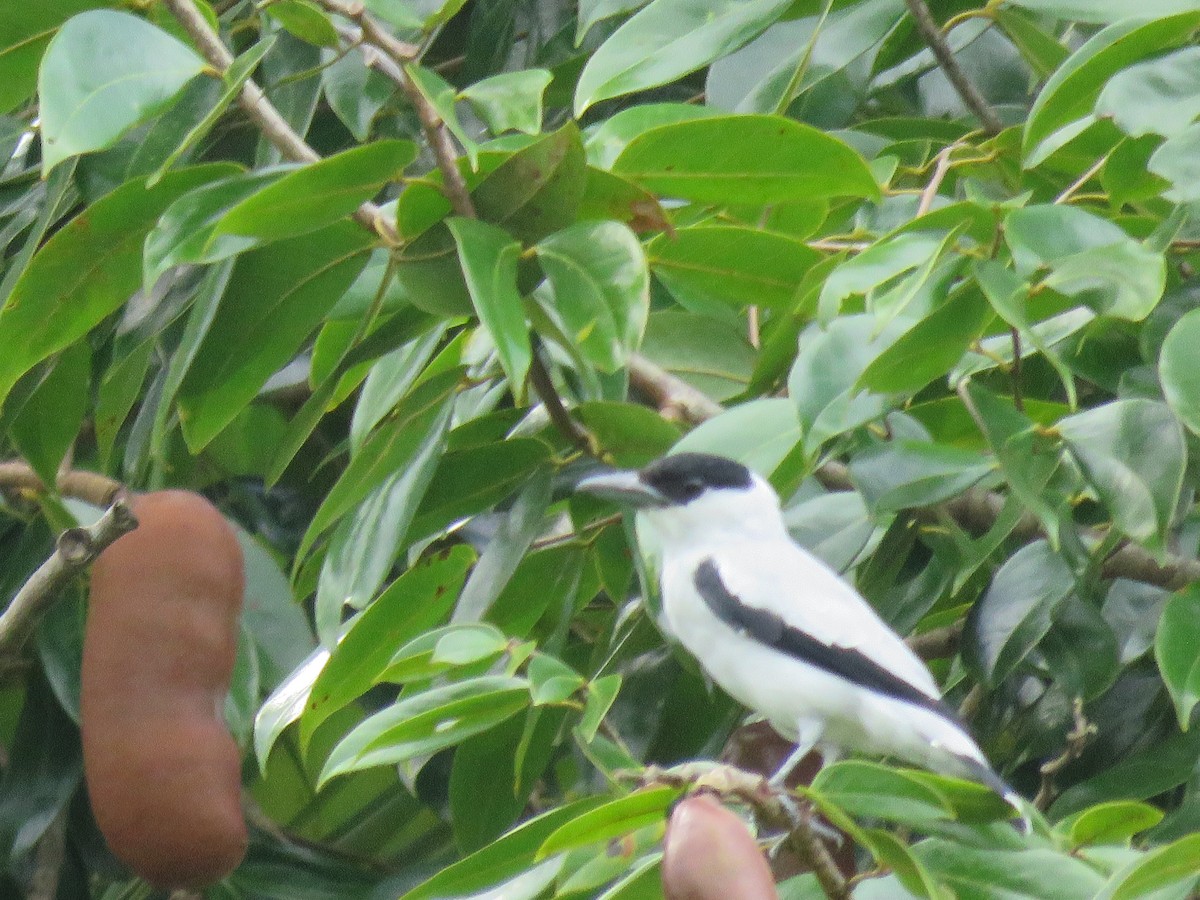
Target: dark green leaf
1175, 645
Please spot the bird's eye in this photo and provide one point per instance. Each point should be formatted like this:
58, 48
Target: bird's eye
693, 487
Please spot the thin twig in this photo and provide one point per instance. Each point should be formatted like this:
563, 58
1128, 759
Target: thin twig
256, 105
769, 802
1083, 179
932, 35
675, 398
1015, 372
76, 549
940, 168
48, 860
91, 487
1077, 739
539, 378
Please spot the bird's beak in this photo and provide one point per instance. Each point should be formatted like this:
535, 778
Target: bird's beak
621, 486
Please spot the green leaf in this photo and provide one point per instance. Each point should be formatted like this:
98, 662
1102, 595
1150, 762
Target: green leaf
317, 194
1017, 610
488, 256
25, 30
729, 264
1104, 11
503, 859
759, 434
879, 263
103, 73
506, 549
709, 354
1175, 645
412, 604
551, 680
667, 39
875, 791
1158, 96
1133, 454
601, 286
902, 474
421, 724
1064, 107
1089, 258
85, 271
1109, 823
286, 704
930, 348
615, 818
601, 693
1175, 161
755, 160
49, 422
1159, 868
984, 872
428, 404
510, 101
305, 20
1179, 369
364, 546
893, 853
276, 296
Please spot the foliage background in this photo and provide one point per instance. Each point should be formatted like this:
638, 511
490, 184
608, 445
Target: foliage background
382, 279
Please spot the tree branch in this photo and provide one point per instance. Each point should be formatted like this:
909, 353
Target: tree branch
256, 105
932, 35
91, 487
76, 549
675, 398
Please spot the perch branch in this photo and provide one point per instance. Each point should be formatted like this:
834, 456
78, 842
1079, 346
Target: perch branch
932, 35
91, 487
75, 551
770, 803
1077, 739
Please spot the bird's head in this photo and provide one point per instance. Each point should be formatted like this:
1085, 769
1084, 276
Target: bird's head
693, 496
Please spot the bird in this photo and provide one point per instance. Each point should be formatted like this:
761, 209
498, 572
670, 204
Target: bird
780, 630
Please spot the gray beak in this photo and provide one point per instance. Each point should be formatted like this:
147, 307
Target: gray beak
622, 486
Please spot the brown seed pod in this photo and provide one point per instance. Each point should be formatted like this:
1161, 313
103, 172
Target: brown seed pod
162, 771
709, 854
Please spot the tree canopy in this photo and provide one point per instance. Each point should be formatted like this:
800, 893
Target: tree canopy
384, 278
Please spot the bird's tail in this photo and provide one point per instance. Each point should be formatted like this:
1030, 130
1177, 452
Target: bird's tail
985, 775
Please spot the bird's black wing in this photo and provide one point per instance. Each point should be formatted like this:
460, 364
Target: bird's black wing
769, 629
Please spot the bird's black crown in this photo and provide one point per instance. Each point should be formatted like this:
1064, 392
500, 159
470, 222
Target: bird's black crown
682, 477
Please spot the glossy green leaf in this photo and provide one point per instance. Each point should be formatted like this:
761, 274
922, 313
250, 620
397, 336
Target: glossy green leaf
1089, 258
876, 791
489, 262
1017, 609
275, 298
728, 264
103, 73
1175, 650
902, 474
510, 101
1132, 452
305, 20
601, 693
1175, 161
617, 817
667, 39
707, 353
1157, 96
49, 422
601, 286
413, 603
85, 271
25, 30
422, 411
1179, 369
286, 704
1105, 11
760, 434
1163, 866
983, 872
502, 860
1064, 107
364, 546
423, 723
1109, 823
744, 160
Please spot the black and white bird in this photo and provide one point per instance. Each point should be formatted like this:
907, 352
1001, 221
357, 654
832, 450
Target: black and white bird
778, 629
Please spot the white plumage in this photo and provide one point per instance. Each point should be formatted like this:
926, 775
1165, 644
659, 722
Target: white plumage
777, 628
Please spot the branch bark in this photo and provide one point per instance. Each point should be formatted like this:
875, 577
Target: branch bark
932, 35
91, 487
77, 548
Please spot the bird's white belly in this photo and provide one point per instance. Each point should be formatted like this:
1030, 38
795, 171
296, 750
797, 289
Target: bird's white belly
788, 691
